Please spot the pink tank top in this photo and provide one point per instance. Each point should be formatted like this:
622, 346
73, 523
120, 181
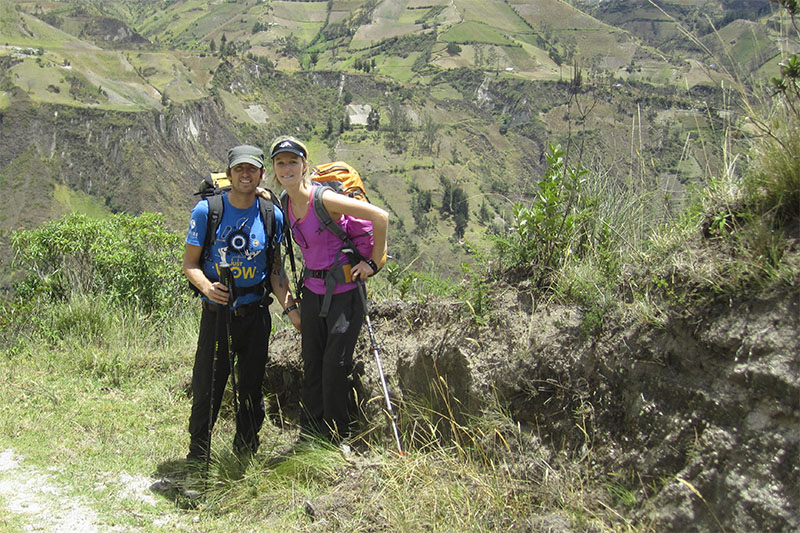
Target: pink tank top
318, 246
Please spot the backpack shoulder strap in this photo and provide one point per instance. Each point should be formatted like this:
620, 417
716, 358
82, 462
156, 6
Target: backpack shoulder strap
325, 217
267, 209
284, 202
287, 242
215, 208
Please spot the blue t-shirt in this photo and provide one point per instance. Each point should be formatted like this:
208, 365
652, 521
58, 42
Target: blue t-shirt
241, 242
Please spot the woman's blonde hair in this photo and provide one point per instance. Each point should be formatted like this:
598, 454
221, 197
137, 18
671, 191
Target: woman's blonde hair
275, 143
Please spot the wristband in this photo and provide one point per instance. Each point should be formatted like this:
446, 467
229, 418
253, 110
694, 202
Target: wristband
289, 309
372, 265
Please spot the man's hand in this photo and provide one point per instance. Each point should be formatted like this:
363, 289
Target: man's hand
217, 293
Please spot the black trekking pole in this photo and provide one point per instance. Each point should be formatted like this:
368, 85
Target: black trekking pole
227, 279
224, 270
362, 290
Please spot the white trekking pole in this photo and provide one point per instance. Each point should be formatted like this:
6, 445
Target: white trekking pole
362, 290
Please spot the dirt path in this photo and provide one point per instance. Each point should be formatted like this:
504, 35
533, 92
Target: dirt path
34, 500
42, 503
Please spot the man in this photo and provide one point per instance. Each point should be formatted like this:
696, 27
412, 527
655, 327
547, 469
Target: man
243, 244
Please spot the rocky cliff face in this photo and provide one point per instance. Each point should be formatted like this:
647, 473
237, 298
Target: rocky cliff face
699, 419
133, 161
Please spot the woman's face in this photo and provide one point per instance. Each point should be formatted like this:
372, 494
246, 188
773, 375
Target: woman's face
289, 168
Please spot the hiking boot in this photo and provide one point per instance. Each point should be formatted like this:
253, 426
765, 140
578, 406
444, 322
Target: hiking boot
244, 450
198, 451
196, 458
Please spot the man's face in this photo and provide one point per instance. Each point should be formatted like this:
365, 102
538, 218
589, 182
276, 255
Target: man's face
245, 178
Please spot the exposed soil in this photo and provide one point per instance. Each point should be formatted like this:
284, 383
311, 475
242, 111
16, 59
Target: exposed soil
32, 493
699, 419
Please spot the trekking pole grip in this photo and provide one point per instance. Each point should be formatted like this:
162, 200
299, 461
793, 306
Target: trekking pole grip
225, 274
226, 278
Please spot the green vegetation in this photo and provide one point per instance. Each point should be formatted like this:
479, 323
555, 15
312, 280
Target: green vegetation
97, 378
78, 202
475, 32
133, 261
106, 405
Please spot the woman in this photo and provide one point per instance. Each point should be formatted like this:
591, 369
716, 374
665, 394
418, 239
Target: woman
328, 341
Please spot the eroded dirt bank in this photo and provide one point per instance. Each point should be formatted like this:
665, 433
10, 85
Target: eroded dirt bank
698, 418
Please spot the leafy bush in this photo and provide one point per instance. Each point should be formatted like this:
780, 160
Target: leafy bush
132, 260
542, 233
776, 182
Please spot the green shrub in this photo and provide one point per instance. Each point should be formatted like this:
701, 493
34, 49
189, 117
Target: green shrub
135, 261
542, 233
774, 186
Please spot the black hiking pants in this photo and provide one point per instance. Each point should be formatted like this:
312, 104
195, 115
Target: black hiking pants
250, 337
327, 349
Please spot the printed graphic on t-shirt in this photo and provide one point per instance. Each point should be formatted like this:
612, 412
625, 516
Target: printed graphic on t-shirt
239, 246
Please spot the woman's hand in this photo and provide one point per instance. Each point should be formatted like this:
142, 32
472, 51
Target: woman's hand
263, 193
293, 312
361, 271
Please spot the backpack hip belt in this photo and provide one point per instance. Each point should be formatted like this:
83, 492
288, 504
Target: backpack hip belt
238, 312
259, 288
333, 277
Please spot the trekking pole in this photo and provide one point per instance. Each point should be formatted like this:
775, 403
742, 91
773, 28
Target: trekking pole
362, 290
211, 394
226, 279
224, 273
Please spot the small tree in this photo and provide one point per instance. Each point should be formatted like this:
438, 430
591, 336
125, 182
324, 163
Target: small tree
447, 196
460, 206
543, 232
398, 120
373, 120
430, 129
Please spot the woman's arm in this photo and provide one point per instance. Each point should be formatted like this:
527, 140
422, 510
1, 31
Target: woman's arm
339, 204
279, 282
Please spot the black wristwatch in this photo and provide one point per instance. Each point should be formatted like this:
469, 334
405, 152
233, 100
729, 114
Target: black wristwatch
289, 309
372, 265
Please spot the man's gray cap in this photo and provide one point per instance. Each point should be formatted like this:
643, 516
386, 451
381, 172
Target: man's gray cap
245, 154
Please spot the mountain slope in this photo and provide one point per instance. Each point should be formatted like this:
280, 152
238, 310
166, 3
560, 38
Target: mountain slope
143, 98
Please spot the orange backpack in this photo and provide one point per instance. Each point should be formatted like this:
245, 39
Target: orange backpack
342, 178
